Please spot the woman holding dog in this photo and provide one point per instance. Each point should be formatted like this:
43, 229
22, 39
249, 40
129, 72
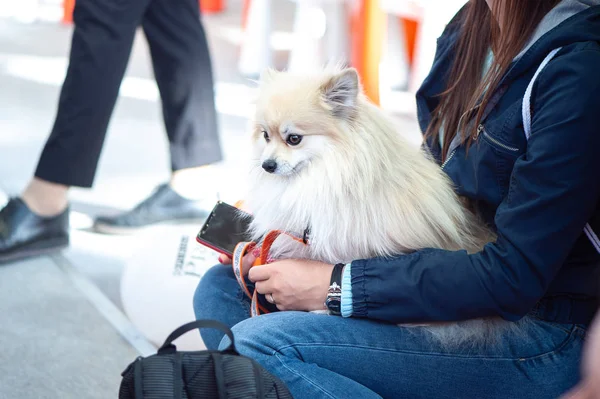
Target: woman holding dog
533, 177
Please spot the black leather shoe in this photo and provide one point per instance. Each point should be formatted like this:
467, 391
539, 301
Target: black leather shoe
24, 234
164, 205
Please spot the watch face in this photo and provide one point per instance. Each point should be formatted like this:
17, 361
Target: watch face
334, 303
334, 298
334, 307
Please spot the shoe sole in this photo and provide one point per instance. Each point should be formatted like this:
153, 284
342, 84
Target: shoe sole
38, 248
118, 230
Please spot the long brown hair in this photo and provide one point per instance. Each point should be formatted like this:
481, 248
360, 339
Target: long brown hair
480, 32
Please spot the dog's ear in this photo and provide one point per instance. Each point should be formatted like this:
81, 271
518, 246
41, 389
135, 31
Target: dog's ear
267, 75
340, 92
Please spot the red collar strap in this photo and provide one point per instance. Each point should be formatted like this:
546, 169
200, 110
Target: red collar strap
243, 248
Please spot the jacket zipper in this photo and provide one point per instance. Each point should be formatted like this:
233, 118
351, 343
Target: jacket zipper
481, 129
459, 122
448, 159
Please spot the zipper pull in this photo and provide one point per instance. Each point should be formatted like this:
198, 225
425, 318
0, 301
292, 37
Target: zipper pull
479, 130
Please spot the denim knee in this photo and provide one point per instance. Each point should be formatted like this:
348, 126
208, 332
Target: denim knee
249, 336
208, 302
207, 289
263, 334
219, 297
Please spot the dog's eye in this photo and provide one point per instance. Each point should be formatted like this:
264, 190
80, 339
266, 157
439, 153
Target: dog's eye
266, 136
294, 139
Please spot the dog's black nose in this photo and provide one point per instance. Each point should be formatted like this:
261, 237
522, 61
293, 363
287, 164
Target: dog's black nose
269, 165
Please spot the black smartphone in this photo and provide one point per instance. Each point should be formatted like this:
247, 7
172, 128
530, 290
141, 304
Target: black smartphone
224, 228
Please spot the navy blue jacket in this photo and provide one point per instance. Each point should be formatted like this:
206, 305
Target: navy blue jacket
537, 195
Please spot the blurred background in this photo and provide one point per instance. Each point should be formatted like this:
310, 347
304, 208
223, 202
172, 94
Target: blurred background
72, 321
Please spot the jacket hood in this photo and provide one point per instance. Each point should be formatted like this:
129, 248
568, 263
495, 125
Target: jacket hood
571, 21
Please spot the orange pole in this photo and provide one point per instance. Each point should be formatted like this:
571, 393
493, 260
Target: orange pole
369, 29
410, 32
357, 37
245, 10
211, 6
68, 6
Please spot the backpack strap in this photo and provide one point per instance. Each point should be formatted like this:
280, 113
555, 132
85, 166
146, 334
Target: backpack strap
526, 107
526, 112
168, 346
592, 236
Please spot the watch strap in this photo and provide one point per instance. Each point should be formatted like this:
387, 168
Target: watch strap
334, 293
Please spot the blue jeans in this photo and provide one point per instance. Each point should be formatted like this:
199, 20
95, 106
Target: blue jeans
320, 356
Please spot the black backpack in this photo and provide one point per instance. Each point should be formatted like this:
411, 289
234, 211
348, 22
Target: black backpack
226, 374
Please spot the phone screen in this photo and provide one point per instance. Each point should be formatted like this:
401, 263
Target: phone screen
224, 228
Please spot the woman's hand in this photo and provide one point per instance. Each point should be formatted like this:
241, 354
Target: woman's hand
247, 260
293, 284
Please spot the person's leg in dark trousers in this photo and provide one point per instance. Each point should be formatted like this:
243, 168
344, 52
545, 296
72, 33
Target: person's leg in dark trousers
101, 43
183, 71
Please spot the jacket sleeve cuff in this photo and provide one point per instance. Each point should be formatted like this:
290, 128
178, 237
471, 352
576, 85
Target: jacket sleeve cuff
346, 304
357, 282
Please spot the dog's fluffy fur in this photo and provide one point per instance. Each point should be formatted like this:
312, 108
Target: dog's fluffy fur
362, 188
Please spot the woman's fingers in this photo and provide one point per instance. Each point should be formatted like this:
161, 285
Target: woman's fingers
224, 259
247, 262
249, 258
260, 273
264, 287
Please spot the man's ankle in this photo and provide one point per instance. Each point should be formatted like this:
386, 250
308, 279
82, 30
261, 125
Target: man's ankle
194, 183
45, 198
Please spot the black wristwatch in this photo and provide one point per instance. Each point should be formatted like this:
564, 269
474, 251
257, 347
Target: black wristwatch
333, 303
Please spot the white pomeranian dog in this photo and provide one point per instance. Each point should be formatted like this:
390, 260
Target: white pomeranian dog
328, 160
